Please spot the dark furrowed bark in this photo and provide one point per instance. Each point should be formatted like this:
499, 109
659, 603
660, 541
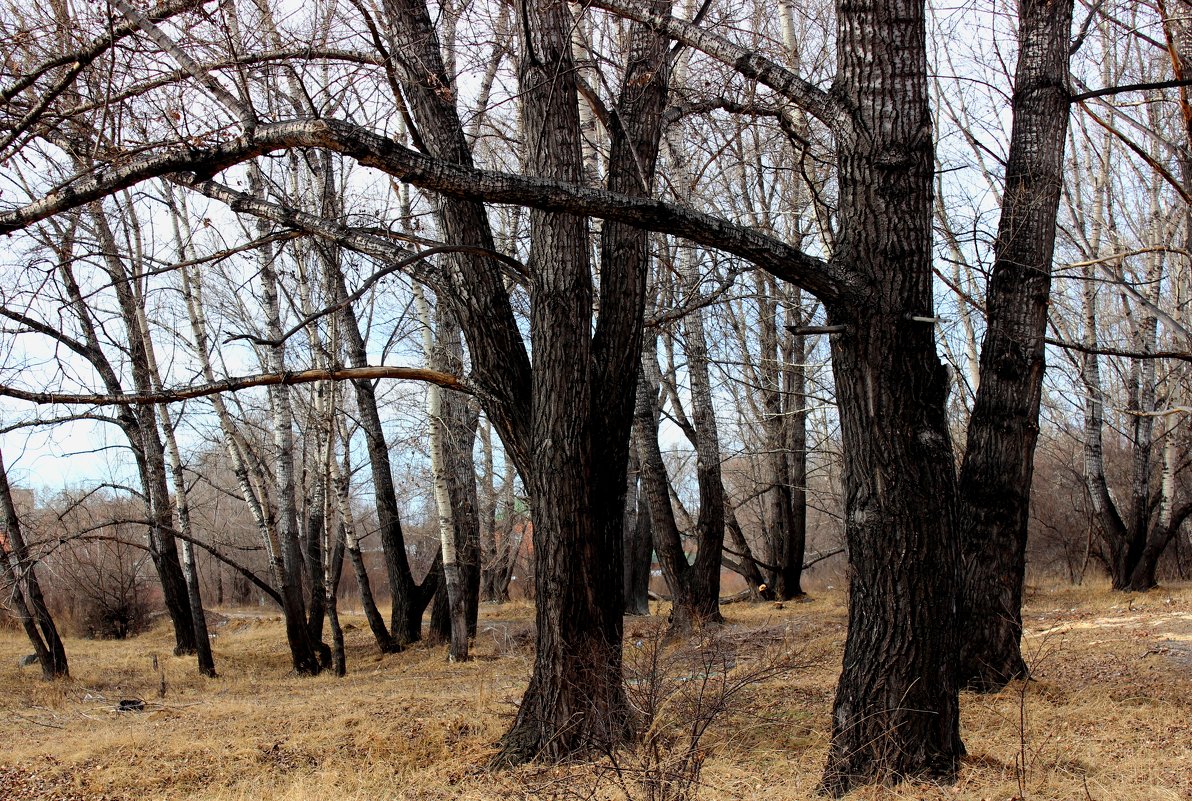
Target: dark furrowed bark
995, 479
575, 702
896, 713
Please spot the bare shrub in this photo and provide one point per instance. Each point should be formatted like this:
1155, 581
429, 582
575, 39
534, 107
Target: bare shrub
107, 588
678, 691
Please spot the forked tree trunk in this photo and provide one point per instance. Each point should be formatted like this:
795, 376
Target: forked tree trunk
575, 700
408, 598
896, 713
582, 407
995, 480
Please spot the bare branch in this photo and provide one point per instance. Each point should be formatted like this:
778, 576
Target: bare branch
244, 382
809, 97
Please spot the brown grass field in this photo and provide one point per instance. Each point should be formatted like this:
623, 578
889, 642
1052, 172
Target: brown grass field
1107, 717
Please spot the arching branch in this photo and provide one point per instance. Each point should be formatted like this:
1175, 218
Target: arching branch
826, 281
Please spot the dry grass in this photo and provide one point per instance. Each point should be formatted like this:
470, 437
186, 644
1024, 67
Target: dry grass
1108, 717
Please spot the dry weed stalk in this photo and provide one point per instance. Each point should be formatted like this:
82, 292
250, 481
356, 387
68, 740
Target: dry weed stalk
677, 692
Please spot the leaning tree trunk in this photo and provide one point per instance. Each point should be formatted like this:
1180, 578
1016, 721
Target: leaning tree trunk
743, 562
206, 661
408, 598
376, 622
995, 479
140, 426
896, 713
17, 571
694, 586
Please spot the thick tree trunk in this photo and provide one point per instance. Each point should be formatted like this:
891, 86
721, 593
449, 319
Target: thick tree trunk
582, 403
995, 480
575, 701
896, 713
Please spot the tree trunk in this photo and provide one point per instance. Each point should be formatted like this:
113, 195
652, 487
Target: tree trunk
896, 713
513, 528
779, 515
302, 648
408, 599
794, 452
995, 480
436, 349
376, 623
744, 563
694, 585
140, 426
638, 545
17, 570
582, 406
181, 505
335, 565
486, 510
